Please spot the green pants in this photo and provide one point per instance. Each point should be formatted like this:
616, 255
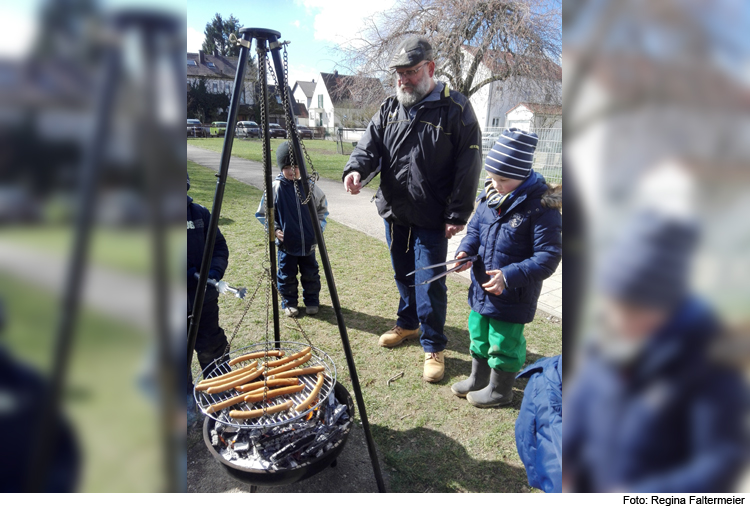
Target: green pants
502, 344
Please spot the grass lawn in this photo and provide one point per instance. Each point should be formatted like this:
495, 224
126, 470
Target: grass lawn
127, 250
329, 163
115, 425
429, 439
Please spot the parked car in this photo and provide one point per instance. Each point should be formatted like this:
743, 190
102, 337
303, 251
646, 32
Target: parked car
304, 132
18, 205
195, 128
218, 128
247, 129
275, 130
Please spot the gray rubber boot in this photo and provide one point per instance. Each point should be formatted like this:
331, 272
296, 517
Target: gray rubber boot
479, 378
499, 392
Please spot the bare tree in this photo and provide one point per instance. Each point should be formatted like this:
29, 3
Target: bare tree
516, 39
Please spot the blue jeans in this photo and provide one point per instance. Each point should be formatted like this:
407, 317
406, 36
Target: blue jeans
422, 304
287, 277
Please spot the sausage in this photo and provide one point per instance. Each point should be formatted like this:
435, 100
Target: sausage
271, 383
290, 365
287, 359
298, 372
253, 356
225, 386
257, 413
313, 395
257, 396
226, 403
208, 382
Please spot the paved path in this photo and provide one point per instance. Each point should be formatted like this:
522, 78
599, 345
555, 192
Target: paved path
359, 213
121, 296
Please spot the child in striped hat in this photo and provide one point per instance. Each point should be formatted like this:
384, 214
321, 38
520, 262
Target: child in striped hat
517, 231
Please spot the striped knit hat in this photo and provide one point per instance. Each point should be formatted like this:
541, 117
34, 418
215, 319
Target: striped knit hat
512, 154
649, 264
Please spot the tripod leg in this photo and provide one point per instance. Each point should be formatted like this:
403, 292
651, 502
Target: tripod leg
328, 271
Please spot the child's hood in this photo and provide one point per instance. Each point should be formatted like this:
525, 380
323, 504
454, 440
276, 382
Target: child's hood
552, 198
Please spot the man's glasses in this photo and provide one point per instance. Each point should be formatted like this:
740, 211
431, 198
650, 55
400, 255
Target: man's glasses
408, 74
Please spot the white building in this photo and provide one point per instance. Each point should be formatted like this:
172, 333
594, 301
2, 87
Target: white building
303, 91
493, 102
534, 116
333, 105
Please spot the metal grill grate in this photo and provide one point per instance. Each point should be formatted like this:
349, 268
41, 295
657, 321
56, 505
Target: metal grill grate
205, 400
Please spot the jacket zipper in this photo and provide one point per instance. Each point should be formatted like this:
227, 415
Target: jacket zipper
406, 134
301, 225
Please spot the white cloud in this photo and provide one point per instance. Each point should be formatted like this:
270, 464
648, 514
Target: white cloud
18, 34
338, 21
301, 73
295, 23
194, 40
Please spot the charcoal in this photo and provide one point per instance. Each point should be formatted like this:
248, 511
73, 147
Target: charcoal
293, 447
242, 446
286, 446
337, 413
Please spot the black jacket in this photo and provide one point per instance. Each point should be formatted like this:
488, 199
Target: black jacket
429, 165
198, 218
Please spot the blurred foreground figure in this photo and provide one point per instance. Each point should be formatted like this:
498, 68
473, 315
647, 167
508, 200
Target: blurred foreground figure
650, 408
21, 391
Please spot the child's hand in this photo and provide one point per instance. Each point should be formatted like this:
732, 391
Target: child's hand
280, 235
466, 265
496, 285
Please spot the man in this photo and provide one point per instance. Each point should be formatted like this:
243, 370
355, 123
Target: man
426, 144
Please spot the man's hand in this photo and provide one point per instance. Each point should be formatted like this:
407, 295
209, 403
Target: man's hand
280, 235
466, 265
496, 284
452, 229
352, 183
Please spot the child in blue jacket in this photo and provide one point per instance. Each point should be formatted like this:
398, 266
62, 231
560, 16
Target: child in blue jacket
517, 230
295, 237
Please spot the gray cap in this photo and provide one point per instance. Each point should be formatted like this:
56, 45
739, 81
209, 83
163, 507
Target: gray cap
412, 51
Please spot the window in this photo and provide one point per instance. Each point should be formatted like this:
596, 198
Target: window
191, 62
210, 65
320, 101
495, 122
216, 88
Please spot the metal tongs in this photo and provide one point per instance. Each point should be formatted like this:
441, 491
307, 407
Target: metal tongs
223, 287
477, 268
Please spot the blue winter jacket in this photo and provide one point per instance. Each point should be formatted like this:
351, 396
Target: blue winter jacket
293, 218
671, 422
539, 424
198, 218
525, 242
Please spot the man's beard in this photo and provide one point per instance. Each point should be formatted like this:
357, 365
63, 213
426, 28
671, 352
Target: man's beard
419, 91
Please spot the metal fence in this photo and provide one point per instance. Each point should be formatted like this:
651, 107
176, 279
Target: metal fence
346, 139
548, 156
547, 159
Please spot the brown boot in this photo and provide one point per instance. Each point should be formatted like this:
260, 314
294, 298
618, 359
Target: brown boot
396, 336
434, 367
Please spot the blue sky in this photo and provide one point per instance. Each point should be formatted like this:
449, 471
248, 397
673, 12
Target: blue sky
315, 28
